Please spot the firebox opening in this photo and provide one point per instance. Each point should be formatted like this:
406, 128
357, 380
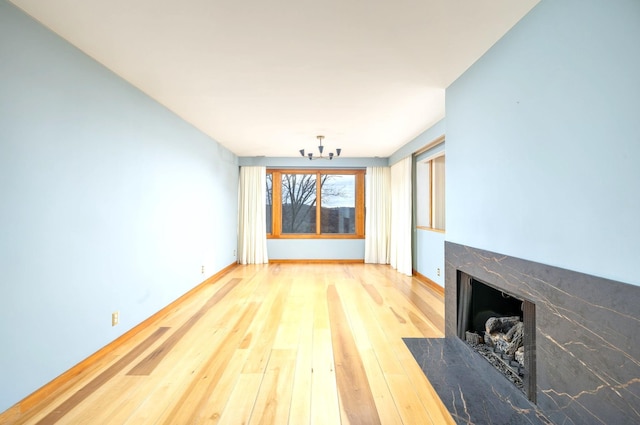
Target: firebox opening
487, 302
501, 328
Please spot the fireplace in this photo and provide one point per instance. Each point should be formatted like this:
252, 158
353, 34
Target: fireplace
581, 343
582, 339
500, 327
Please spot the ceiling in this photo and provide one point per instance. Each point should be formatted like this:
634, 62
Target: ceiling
263, 78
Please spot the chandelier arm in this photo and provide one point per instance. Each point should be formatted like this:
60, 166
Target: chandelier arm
321, 150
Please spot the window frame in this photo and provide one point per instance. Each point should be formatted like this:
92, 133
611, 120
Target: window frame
433, 204
276, 206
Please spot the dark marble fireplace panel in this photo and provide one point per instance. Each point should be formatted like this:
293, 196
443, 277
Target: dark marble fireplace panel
587, 334
473, 391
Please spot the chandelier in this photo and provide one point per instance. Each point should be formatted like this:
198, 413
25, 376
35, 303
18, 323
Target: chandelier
321, 149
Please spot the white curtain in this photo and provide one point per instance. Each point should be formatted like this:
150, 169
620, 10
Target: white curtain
252, 227
400, 255
378, 217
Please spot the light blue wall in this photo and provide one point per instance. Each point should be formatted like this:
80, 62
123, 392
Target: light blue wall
428, 245
300, 162
108, 202
423, 139
429, 254
543, 141
316, 249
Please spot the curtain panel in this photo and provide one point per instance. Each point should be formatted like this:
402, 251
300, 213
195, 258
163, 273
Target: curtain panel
400, 253
378, 217
252, 227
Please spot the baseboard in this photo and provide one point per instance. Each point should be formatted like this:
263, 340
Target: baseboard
430, 283
315, 261
64, 380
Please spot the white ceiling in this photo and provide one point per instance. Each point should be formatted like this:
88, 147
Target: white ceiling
265, 77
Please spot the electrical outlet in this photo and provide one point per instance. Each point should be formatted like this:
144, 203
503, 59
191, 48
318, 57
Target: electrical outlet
202, 270
115, 318
234, 252
438, 271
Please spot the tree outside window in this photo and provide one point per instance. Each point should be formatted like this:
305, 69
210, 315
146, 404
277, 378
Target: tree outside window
269, 202
310, 203
339, 204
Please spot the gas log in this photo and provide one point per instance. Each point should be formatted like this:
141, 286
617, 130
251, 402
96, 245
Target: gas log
504, 333
501, 343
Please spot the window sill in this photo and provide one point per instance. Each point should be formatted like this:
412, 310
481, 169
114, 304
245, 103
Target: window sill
312, 236
430, 229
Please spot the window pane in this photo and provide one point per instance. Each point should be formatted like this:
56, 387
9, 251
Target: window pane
269, 201
438, 193
298, 203
338, 204
423, 193
295, 208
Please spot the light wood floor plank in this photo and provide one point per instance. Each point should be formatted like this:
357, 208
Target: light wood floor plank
300, 412
243, 397
264, 329
360, 310
216, 401
386, 342
354, 391
385, 404
192, 400
274, 397
324, 392
100, 380
407, 401
296, 344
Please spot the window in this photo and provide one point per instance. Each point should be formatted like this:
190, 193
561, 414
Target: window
315, 203
430, 178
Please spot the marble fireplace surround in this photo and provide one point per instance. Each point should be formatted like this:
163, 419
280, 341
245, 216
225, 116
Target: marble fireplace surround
587, 334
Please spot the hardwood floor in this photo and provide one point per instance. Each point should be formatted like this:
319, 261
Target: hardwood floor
276, 344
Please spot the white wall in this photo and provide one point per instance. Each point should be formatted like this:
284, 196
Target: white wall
543, 141
107, 202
